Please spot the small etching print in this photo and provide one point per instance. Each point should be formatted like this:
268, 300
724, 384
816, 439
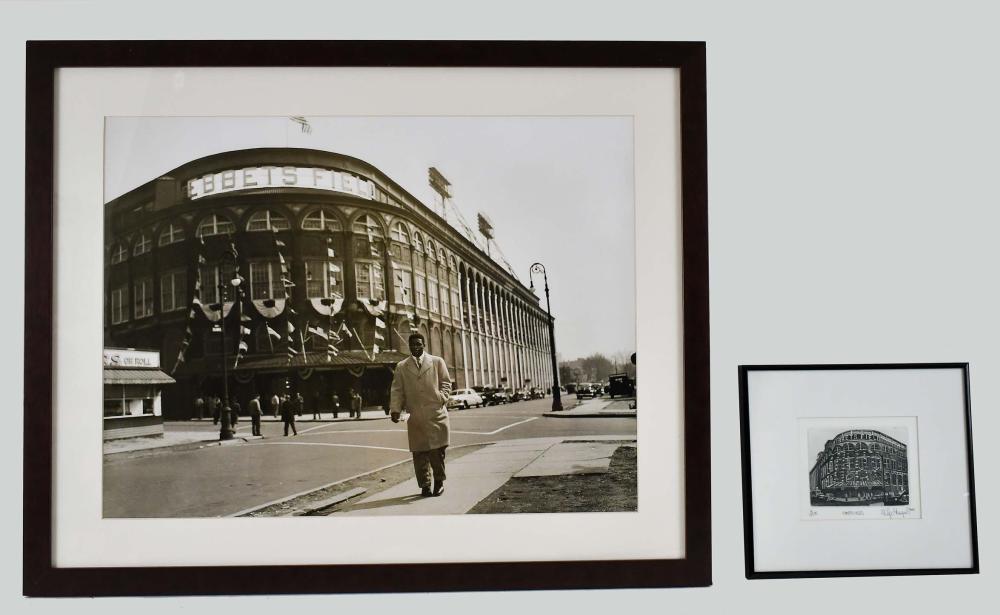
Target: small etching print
862, 470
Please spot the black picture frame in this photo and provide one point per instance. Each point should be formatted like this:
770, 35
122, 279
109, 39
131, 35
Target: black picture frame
748, 513
42, 578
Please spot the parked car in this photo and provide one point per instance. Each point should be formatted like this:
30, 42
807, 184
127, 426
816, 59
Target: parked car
536, 393
621, 384
465, 398
584, 389
494, 397
571, 387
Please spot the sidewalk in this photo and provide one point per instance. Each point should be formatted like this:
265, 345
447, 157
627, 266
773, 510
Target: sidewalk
179, 437
599, 407
475, 476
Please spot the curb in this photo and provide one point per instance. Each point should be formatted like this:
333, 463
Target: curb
175, 448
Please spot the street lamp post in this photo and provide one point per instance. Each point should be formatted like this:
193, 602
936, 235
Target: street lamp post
556, 397
225, 429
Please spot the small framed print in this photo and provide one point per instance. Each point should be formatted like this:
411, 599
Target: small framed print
857, 470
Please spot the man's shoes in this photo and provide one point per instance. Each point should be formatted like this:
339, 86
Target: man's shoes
425, 492
438, 488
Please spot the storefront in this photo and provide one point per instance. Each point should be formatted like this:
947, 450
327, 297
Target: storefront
132, 386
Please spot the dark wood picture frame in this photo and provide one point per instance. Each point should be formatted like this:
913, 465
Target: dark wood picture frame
42, 578
748, 529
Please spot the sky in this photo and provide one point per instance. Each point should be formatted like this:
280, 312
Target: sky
559, 191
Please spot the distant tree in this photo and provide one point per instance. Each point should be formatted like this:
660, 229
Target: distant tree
597, 367
622, 363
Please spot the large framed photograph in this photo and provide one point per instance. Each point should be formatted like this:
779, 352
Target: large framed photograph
857, 470
370, 317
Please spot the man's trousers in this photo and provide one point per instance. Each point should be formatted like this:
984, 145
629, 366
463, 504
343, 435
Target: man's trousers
428, 465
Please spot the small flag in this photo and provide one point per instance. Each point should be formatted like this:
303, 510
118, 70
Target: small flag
243, 346
346, 331
272, 332
196, 300
378, 336
288, 283
274, 229
379, 323
334, 268
375, 349
319, 331
278, 242
201, 259
192, 313
329, 253
281, 258
245, 331
291, 328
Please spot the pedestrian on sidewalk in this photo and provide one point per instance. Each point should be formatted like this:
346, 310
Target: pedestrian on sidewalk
199, 408
216, 409
254, 409
275, 405
336, 404
288, 414
421, 385
234, 416
356, 402
299, 404
315, 402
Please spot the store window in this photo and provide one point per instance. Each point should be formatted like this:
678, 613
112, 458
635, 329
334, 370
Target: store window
321, 220
142, 245
119, 254
215, 225
172, 290
267, 220
266, 280
119, 304
172, 234
143, 297
323, 279
370, 281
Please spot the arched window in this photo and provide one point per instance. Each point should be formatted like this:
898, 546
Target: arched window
399, 233
441, 257
215, 225
418, 242
430, 250
366, 225
119, 254
267, 220
172, 234
142, 245
321, 220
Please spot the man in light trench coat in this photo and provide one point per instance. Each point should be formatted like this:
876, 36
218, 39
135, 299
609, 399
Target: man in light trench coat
421, 385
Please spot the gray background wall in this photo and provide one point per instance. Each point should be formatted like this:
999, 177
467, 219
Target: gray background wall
853, 207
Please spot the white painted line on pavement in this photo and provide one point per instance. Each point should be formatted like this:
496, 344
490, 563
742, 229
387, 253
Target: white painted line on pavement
496, 431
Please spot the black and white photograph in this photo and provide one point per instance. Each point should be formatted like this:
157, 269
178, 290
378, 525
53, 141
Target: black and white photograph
330, 314
864, 471
342, 316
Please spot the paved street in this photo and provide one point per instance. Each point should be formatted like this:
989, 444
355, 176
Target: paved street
222, 480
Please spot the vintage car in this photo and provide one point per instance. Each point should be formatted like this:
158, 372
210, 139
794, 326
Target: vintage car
585, 390
465, 398
620, 384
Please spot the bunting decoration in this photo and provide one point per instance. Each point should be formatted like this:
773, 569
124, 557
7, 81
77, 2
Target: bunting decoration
286, 284
335, 302
195, 302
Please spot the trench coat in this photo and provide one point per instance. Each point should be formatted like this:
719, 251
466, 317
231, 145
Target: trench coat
424, 394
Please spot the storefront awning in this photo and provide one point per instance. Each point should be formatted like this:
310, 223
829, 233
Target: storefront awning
136, 376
